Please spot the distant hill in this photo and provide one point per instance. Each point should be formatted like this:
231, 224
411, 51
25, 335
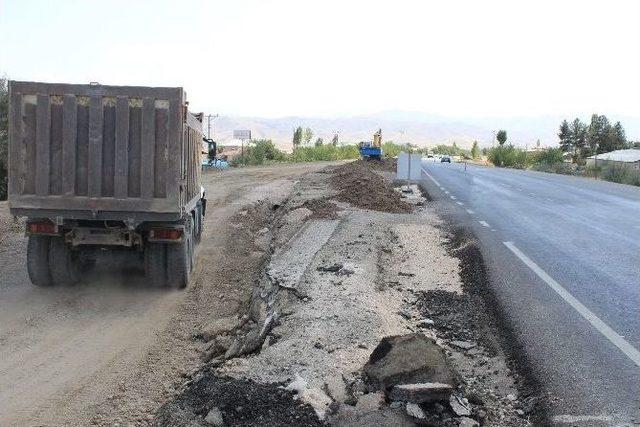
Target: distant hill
402, 126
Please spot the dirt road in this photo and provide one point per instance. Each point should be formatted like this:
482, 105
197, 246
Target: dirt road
69, 356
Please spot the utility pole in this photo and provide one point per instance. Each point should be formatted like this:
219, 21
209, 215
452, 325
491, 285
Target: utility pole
209, 117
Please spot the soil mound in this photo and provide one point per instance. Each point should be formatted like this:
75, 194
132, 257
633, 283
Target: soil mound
360, 186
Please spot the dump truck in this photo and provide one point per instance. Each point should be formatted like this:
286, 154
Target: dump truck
105, 170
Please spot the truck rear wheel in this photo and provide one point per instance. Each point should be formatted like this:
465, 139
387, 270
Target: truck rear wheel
198, 222
155, 264
180, 258
63, 263
38, 260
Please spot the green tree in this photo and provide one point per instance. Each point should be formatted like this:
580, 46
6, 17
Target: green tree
597, 133
319, 142
307, 136
616, 138
297, 137
566, 143
578, 132
501, 136
4, 136
475, 150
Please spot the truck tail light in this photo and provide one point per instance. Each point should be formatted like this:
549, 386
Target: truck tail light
44, 227
165, 234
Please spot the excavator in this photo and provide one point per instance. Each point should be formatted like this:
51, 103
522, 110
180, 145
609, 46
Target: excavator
372, 150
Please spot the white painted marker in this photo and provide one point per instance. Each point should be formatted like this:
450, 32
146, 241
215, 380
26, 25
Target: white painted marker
453, 197
470, 212
431, 178
484, 223
460, 203
613, 337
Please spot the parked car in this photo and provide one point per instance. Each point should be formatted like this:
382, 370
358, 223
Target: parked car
445, 159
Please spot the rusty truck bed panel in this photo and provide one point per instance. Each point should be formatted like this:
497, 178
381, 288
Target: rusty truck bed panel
93, 148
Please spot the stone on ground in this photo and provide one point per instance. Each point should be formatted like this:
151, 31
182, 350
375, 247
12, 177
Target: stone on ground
408, 359
214, 418
421, 393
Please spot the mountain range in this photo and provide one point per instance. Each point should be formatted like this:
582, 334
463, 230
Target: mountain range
407, 127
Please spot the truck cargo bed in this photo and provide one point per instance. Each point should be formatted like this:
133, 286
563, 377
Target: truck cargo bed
101, 152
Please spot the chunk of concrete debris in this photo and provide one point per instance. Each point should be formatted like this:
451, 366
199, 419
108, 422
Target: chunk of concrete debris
468, 422
421, 392
408, 359
214, 417
460, 406
464, 345
333, 268
223, 325
424, 323
370, 402
415, 411
315, 397
336, 388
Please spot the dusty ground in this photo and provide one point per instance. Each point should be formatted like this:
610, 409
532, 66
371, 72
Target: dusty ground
110, 351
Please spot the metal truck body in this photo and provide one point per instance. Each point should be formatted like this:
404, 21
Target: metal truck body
96, 168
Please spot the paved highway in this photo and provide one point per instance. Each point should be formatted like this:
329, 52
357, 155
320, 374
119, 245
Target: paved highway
564, 259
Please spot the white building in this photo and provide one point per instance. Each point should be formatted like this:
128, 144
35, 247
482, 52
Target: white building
629, 158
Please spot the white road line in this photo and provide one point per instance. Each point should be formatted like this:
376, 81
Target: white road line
572, 419
613, 337
446, 192
430, 177
453, 197
460, 203
470, 212
484, 223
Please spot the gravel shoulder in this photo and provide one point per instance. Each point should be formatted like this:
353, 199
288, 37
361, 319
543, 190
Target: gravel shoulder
337, 281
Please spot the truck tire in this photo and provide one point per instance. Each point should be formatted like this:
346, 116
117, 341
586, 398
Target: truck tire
199, 222
38, 260
65, 268
179, 258
155, 264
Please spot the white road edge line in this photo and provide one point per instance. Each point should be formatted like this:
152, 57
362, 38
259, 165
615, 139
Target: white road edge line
572, 419
470, 212
484, 223
613, 337
431, 178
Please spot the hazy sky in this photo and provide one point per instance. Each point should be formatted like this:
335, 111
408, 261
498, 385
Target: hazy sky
301, 57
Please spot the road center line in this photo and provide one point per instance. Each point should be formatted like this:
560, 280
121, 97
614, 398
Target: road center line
470, 212
484, 223
430, 177
460, 203
613, 337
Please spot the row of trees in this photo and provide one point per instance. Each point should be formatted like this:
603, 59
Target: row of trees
599, 136
304, 136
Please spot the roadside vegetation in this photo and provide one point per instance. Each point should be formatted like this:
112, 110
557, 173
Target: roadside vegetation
578, 141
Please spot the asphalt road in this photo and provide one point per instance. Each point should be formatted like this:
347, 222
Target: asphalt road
563, 255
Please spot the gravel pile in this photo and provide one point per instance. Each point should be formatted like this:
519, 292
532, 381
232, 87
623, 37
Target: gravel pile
358, 184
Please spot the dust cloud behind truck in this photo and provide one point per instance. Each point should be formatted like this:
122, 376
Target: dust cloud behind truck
98, 169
